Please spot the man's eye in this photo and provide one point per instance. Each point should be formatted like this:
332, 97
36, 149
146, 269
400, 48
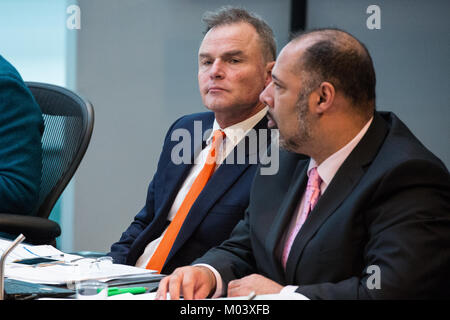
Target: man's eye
206, 62
235, 61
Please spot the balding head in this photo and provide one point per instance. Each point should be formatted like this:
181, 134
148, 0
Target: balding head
337, 57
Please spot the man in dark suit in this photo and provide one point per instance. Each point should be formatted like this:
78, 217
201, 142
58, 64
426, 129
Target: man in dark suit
21, 129
235, 61
367, 215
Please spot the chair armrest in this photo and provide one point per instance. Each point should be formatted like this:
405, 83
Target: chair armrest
33, 228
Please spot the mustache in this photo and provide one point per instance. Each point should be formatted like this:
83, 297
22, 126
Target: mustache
270, 117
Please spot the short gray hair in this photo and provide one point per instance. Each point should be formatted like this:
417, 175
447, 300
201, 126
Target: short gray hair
229, 15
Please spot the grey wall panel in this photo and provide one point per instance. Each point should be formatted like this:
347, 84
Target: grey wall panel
411, 55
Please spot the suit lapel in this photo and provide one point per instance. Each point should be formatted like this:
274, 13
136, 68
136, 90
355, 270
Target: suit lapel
336, 192
175, 174
281, 222
346, 178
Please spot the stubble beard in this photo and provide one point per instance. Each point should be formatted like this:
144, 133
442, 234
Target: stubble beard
297, 142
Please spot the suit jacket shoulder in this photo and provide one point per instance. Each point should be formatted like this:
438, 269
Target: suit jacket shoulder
403, 145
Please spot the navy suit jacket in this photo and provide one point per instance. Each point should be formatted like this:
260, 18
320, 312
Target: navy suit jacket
380, 230
21, 129
218, 208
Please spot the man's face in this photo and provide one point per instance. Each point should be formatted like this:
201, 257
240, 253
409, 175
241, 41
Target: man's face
288, 101
232, 71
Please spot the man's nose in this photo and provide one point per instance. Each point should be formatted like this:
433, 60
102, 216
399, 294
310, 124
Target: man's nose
266, 96
216, 71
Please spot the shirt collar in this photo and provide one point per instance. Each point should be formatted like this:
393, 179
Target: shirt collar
328, 168
237, 131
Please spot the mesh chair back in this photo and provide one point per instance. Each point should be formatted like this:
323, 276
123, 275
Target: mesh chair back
69, 121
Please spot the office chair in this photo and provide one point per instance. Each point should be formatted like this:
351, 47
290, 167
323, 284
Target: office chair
69, 121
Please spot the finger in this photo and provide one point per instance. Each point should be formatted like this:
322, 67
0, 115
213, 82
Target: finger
161, 294
205, 282
233, 284
239, 287
188, 286
236, 289
202, 292
175, 283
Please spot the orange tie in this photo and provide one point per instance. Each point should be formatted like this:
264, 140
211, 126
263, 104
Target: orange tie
161, 253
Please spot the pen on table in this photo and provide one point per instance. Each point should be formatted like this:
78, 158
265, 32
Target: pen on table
30, 251
56, 257
40, 256
135, 290
251, 296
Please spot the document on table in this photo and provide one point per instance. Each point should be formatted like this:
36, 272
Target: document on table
23, 251
65, 270
66, 273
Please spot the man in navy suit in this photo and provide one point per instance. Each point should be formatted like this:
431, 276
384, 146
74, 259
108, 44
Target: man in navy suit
21, 129
234, 66
366, 216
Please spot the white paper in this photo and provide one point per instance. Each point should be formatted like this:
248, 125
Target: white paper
23, 251
68, 274
67, 270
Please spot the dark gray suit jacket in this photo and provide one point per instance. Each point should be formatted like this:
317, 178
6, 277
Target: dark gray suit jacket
387, 208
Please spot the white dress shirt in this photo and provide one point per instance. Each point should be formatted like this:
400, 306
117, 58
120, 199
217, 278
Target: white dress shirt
233, 135
327, 170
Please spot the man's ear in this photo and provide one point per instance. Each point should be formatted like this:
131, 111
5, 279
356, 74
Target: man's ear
323, 97
269, 67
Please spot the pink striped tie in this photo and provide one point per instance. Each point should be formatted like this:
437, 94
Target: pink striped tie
312, 195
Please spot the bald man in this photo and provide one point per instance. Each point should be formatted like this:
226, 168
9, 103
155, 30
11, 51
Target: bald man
367, 215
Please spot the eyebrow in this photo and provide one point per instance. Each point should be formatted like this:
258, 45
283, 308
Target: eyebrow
224, 55
277, 79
